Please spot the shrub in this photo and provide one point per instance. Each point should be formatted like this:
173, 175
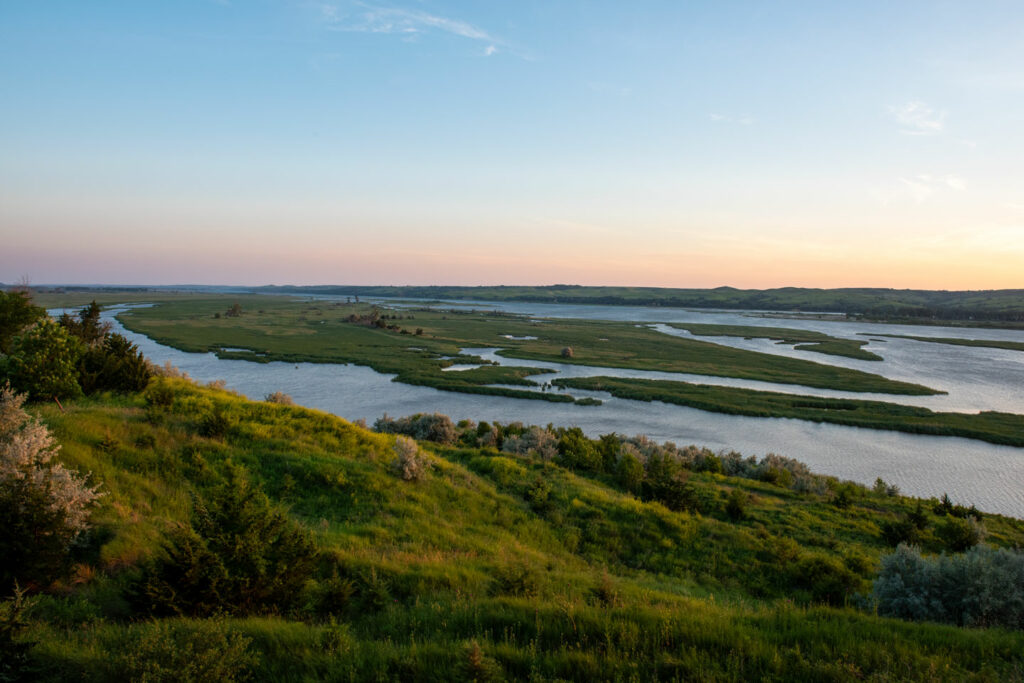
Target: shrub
630, 471
44, 507
960, 534
668, 483
42, 362
214, 424
478, 667
577, 452
87, 326
187, 651
983, 587
280, 398
826, 579
159, 395
900, 531
534, 441
517, 577
736, 505
410, 464
437, 427
538, 494
16, 314
14, 650
115, 364
238, 555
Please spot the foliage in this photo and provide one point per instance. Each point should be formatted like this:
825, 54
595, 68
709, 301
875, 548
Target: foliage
736, 505
15, 664
591, 584
280, 398
961, 534
42, 362
410, 464
113, 364
577, 452
44, 506
177, 651
535, 441
87, 327
239, 555
982, 587
437, 428
17, 313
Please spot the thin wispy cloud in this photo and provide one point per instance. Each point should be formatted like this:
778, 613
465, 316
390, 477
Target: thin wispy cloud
921, 187
408, 23
742, 120
918, 118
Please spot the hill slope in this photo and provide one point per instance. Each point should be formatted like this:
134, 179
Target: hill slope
491, 566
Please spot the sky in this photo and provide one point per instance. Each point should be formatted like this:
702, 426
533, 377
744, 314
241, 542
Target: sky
676, 144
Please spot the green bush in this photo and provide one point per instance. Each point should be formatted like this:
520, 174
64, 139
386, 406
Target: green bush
960, 534
16, 315
15, 664
214, 425
239, 555
826, 579
736, 505
183, 651
43, 362
115, 364
982, 587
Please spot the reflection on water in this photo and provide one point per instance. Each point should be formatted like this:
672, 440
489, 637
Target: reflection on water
986, 475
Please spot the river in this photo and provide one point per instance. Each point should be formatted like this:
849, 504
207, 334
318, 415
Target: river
970, 471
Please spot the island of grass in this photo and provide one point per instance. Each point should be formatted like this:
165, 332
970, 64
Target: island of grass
985, 343
416, 344
994, 427
492, 565
805, 340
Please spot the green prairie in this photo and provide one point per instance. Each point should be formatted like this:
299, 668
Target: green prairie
468, 574
274, 328
991, 426
804, 340
985, 343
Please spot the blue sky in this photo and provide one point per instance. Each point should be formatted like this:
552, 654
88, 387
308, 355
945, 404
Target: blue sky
753, 144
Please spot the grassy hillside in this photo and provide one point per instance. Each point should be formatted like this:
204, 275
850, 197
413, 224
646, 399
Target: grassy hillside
492, 566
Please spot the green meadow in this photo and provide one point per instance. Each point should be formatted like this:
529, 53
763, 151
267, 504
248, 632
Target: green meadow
985, 343
991, 426
417, 344
804, 340
492, 565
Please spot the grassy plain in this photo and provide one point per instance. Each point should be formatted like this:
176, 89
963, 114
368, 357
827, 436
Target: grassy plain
318, 331
1003, 307
464, 576
994, 427
985, 343
805, 340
